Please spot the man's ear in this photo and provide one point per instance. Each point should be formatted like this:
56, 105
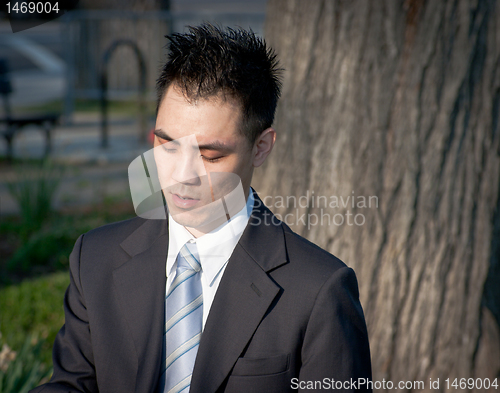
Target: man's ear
263, 146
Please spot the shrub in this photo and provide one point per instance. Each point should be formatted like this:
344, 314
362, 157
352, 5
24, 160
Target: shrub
22, 371
33, 189
33, 307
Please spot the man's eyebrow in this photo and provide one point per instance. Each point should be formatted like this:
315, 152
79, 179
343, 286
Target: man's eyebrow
215, 145
162, 134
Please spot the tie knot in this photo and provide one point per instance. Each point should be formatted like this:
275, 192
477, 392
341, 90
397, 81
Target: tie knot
190, 259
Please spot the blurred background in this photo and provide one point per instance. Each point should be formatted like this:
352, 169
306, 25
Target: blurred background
388, 156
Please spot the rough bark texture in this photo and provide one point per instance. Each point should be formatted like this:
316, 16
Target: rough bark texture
398, 100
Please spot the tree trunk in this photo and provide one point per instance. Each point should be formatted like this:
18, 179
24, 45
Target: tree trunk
395, 105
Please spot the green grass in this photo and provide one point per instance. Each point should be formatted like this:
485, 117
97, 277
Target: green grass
33, 307
119, 107
54, 106
47, 249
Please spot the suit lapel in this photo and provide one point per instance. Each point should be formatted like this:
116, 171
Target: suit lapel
244, 295
140, 286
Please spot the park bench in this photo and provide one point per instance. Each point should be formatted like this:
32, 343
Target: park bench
11, 125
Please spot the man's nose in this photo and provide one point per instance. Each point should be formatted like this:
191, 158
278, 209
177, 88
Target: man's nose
188, 168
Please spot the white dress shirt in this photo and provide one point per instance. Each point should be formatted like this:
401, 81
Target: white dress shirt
214, 249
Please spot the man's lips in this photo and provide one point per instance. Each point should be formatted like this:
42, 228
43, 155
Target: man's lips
184, 201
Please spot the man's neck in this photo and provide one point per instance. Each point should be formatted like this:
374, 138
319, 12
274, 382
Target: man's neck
200, 231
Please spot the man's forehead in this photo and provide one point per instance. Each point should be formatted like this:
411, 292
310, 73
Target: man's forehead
176, 93
211, 120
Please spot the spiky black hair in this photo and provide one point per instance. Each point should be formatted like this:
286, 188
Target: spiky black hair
209, 61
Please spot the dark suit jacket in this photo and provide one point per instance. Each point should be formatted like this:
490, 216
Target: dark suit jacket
284, 309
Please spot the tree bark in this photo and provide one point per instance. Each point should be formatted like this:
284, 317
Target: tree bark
398, 101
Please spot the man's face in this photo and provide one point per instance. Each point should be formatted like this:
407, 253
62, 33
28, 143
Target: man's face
201, 156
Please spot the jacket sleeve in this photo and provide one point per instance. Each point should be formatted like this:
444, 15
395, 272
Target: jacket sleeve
74, 369
335, 349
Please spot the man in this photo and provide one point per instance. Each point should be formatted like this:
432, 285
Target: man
220, 296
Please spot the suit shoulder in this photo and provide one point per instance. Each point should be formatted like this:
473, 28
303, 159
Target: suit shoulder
303, 249
114, 231
314, 268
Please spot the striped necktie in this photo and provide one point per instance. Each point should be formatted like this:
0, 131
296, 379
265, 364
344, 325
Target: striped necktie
184, 315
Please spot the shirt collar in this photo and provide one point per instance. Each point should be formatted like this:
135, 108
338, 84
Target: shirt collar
215, 247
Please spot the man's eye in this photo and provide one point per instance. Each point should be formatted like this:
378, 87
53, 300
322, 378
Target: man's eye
169, 147
211, 160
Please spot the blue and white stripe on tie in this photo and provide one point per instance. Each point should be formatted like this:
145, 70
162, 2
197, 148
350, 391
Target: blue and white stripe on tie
184, 315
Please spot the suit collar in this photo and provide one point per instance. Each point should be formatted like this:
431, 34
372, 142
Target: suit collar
144, 236
263, 239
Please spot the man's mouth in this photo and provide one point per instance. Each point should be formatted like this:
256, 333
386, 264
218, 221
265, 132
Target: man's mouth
184, 201
184, 197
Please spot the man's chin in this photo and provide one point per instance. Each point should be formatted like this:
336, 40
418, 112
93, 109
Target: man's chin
200, 224
203, 219
187, 219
